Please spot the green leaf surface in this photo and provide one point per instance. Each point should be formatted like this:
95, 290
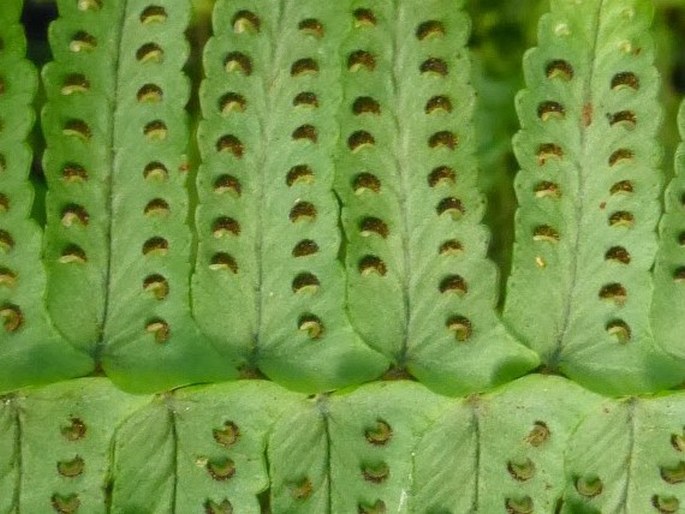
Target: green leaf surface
446, 463
580, 288
421, 290
669, 271
198, 450
300, 485
268, 288
539, 444
373, 432
144, 456
10, 462
31, 351
500, 452
118, 245
61, 435
351, 452
627, 456
396, 447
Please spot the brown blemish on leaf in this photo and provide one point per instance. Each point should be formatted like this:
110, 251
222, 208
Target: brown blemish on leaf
538, 435
221, 469
379, 434
65, 504
245, 21
227, 435
587, 114
71, 468
376, 473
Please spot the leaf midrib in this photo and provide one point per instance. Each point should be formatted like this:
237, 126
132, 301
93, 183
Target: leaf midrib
579, 211
404, 190
109, 183
623, 503
17, 458
323, 411
174, 437
266, 132
475, 420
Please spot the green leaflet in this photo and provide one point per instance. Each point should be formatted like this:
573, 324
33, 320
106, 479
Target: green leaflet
580, 288
669, 272
199, 450
60, 453
627, 456
372, 434
118, 245
395, 447
31, 352
145, 481
300, 485
502, 452
268, 288
539, 444
420, 288
351, 452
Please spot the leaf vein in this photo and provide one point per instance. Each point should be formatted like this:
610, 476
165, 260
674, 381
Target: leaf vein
578, 210
109, 186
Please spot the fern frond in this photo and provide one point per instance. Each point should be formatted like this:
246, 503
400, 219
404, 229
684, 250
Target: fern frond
200, 450
63, 434
580, 288
395, 447
669, 272
31, 351
118, 244
421, 290
626, 456
501, 452
268, 288
390, 446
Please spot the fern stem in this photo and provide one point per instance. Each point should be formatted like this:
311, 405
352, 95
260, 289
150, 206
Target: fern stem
175, 457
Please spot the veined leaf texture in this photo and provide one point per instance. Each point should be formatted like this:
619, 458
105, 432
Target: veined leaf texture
117, 238
581, 290
289, 90
538, 444
315, 229
31, 350
268, 287
420, 288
